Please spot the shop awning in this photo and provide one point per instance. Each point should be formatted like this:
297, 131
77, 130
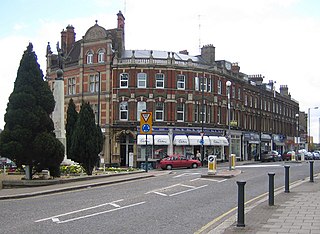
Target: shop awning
180, 140
218, 140
161, 139
141, 140
279, 143
196, 140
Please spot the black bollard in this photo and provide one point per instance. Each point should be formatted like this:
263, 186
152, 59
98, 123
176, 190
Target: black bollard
286, 179
271, 188
311, 171
240, 222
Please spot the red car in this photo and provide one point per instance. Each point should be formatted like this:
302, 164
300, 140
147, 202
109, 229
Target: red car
175, 161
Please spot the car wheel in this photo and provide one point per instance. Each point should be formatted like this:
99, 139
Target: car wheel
194, 165
169, 167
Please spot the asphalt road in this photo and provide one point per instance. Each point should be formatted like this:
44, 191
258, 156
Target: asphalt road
181, 202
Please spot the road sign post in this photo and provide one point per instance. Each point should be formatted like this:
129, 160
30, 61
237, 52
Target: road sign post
146, 128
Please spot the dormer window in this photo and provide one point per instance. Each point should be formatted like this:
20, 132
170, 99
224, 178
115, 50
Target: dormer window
89, 58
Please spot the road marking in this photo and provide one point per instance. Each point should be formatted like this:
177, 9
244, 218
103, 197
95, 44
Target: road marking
207, 179
76, 211
156, 191
102, 212
259, 165
186, 174
189, 190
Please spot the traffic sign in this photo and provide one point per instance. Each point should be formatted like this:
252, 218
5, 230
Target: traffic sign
146, 123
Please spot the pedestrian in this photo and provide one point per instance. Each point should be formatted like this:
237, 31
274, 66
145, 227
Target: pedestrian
198, 155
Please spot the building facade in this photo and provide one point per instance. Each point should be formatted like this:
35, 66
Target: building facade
192, 106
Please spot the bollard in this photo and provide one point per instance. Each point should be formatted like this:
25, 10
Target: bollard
212, 164
311, 171
271, 188
233, 161
240, 222
286, 179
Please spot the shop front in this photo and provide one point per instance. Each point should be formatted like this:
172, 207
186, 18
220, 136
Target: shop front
251, 145
217, 147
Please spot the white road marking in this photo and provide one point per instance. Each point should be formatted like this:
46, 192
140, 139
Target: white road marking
175, 185
102, 212
189, 190
207, 179
186, 174
55, 220
76, 211
259, 165
188, 186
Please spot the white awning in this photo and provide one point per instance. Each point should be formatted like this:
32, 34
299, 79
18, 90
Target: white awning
196, 140
180, 140
218, 140
161, 140
141, 140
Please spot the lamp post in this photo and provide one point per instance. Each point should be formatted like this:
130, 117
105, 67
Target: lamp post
297, 131
228, 84
309, 129
202, 118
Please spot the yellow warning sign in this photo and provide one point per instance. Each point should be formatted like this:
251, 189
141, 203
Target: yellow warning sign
146, 123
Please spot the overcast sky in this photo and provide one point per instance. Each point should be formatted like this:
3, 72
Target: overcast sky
279, 39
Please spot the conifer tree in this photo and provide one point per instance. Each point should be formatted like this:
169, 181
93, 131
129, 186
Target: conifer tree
28, 127
86, 139
72, 116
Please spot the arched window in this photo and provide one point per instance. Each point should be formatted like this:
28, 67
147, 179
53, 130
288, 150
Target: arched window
89, 57
101, 56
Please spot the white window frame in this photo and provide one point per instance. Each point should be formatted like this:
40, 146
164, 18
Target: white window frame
196, 83
71, 86
89, 57
142, 80
181, 81
196, 113
141, 106
101, 56
159, 111
203, 116
93, 83
239, 94
123, 110
159, 80
209, 86
180, 112
219, 87
124, 80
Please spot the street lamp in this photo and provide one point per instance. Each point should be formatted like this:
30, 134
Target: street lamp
228, 84
297, 131
309, 125
202, 119
99, 83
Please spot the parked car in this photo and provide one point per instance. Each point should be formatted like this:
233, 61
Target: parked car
6, 162
316, 155
272, 155
287, 155
176, 161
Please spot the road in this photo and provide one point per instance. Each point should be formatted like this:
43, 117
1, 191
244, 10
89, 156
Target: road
181, 202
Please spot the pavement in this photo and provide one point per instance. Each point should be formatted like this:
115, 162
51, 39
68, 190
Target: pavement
297, 211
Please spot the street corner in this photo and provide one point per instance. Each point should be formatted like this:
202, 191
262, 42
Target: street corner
223, 174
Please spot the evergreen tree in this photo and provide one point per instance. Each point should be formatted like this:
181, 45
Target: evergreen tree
27, 119
86, 139
72, 116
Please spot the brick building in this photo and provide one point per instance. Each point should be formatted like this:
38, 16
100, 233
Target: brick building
187, 95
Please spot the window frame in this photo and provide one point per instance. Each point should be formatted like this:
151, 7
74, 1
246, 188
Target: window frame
94, 83
124, 78
180, 112
123, 111
158, 80
141, 106
90, 57
101, 56
72, 86
159, 111
181, 84
142, 80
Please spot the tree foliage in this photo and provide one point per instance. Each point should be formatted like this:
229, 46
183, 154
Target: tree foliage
87, 139
72, 116
28, 126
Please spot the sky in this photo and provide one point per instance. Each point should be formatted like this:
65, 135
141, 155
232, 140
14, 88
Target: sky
279, 39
